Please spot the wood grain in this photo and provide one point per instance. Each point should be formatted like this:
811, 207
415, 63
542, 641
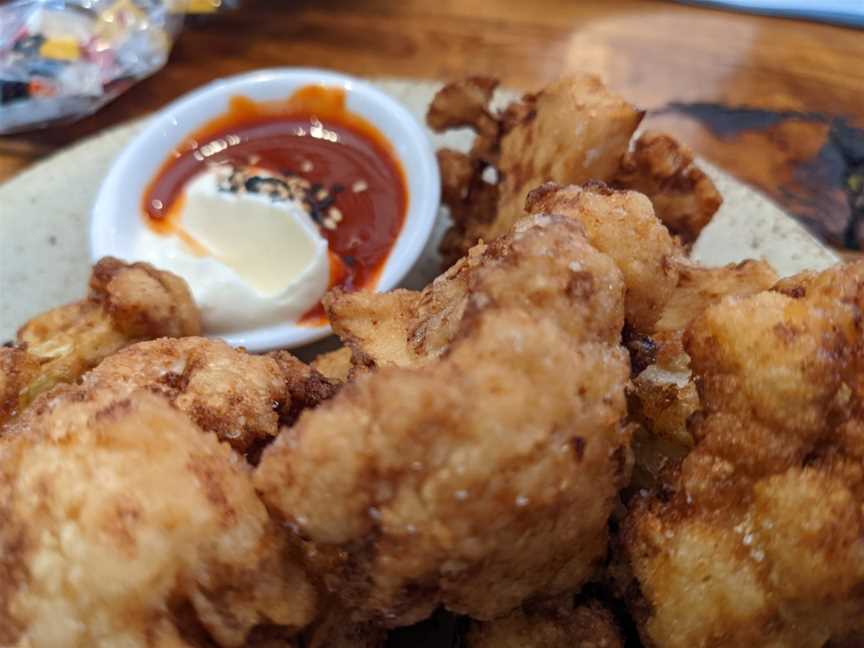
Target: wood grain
656, 53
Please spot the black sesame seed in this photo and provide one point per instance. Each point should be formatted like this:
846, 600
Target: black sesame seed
13, 90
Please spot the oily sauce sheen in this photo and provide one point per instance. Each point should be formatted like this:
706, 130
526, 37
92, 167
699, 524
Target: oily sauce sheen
352, 154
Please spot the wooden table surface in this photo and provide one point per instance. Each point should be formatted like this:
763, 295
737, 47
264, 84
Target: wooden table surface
779, 103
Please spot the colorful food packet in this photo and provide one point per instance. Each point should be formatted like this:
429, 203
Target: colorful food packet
61, 60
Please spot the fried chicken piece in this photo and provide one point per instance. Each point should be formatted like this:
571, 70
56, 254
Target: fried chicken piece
118, 515
668, 396
470, 197
305, 386
466, 103
661, 402
664, 292
698, 287
372, 325
759, 538
559, 623
621, 224
545, 265
684, 197
663, 396
239, 397
572, 131
575, 130
495, 453
462, 103
493, 469
336, 365
126, 303
142, 301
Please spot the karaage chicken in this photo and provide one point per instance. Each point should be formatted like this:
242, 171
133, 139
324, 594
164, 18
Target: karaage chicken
493, 464
758, 537
545, 266
622, 225
470, 449
663, 394
570, 132
126, 524
126, 303
241, 398
684, 198
335, 365
466, 103
573, 131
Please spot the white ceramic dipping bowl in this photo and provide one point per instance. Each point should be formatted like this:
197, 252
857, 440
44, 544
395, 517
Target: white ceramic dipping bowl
117, 219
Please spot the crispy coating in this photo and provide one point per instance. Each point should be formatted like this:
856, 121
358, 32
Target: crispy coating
462, 103
759, 538
417, 487
572, 131
663, 396
621, 224
237, 396
491, 459
661, 402
698, 287
126, 303
18, 371
144, 302
225, 391
577, 130
336, 365
471, 198
684, 197
466, 103
545, 265
559, 623
305, 386
124, 523
373, 325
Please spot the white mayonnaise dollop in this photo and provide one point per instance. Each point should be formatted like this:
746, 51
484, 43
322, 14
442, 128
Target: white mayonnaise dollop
249, 260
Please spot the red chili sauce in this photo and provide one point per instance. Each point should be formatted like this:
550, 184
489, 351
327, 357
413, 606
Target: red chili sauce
312, 135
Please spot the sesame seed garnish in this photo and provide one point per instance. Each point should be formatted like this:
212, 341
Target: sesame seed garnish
317, 200
359, 185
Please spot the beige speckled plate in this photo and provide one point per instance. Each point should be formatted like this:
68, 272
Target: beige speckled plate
44, 213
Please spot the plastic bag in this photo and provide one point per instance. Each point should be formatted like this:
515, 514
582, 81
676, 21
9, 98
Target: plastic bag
61, 60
